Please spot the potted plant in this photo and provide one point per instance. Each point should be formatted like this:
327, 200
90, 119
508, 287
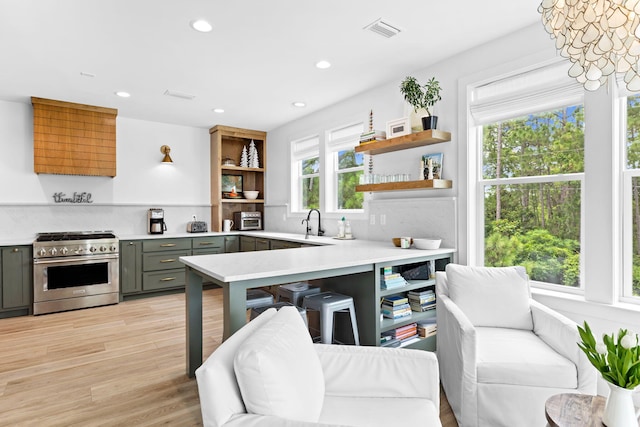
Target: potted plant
422, 97
618, 361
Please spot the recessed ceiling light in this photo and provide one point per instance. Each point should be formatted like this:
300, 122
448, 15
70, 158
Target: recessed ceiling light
123, 94
85, 74
201, 25
299, 104
218, 110
323, 64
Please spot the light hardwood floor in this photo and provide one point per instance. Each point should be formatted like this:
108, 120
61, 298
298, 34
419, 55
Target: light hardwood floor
119, 365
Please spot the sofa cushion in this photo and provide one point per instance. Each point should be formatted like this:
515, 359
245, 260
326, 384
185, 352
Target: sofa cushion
278, 370
220, 397
518, 357
491, 296
366, 411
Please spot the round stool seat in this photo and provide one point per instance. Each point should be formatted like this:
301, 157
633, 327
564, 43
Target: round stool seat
258, 298
328, 303
295, 292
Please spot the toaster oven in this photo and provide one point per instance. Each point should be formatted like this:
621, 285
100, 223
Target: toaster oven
247, 220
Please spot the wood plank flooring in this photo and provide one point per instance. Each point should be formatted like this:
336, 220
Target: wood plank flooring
119, 365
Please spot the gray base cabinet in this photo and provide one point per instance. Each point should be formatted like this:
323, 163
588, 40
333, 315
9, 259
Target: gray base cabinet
16, 280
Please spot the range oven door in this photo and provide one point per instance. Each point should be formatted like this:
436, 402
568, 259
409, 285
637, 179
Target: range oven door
72, 277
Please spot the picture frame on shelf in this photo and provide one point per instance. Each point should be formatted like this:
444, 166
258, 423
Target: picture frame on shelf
231, 186
398, 127
436, 162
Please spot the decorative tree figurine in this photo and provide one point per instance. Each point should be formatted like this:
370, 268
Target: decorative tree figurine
244, 160
254, 162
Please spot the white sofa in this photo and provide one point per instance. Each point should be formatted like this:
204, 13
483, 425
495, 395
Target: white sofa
269, 373
502, 354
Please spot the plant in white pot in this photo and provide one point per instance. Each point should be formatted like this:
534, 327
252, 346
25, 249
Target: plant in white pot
422, 97
618, 361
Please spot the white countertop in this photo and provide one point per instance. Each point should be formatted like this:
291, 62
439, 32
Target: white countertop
333, 254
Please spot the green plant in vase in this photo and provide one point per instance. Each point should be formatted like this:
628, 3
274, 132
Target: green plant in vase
422, 97
617, 358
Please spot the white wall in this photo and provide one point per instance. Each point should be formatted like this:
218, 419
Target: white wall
120, 203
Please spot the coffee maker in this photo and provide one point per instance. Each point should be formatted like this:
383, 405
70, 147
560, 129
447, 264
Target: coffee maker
155, 220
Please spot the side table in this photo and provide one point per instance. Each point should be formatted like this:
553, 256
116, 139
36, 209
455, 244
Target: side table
574, 410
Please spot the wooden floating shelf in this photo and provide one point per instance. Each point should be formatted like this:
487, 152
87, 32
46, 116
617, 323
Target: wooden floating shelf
425, 184
418, 139
241, 169
242, 200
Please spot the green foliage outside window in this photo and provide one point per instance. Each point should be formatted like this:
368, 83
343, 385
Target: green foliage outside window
536, 225
633, 162
310, 184
348, 198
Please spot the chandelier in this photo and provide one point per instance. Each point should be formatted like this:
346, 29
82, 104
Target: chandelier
600, 37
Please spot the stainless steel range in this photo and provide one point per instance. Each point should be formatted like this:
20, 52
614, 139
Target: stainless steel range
75, 270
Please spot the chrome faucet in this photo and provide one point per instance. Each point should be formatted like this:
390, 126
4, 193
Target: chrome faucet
308, 228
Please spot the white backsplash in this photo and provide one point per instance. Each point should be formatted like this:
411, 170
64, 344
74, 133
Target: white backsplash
25, 220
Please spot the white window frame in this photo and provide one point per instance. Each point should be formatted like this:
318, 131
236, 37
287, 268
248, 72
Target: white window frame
519, 99
302, 149
333, 145
626, 287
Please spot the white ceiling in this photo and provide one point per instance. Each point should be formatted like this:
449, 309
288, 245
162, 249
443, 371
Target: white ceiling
259, 58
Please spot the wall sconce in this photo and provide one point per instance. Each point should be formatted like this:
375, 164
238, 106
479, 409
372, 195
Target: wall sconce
165, 149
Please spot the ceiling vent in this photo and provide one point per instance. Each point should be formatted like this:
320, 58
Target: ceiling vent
382, 28
177, 94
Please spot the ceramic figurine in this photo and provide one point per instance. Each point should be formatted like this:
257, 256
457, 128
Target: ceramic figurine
244, 160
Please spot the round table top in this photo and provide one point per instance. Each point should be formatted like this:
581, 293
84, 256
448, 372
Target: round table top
574, 410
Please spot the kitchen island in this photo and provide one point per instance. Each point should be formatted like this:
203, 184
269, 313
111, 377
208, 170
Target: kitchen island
346, 266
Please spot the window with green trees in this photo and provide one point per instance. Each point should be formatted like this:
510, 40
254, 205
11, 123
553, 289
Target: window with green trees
632, 174
350, 168
532, 171
310, 183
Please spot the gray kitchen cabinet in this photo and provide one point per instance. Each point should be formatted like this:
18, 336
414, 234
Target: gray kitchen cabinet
283, 244
231, 244
130, 266
247, 244
16, 280
208, 245
262, 244
161, 264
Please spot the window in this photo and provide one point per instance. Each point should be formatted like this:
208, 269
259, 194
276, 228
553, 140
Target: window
345, 167
530, 148
305, 174
631, 177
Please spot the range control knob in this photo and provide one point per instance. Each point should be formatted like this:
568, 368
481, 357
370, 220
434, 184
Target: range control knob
92, 249
42, 252
53, 251
64, 251
103, 248
113, 248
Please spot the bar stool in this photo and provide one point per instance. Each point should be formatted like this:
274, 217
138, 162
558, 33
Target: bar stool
328, 303
258, 298
295, 292
256, 311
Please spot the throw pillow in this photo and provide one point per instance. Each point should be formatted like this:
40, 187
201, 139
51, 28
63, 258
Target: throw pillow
278, 370
491, 296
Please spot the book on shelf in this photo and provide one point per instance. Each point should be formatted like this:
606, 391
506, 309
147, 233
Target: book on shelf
400, 313
393, 342
395, 300
409, 340
427, 327
422, 293
421, 308
393, 283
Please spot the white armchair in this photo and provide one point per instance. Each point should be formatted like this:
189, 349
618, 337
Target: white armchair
269, 373
502, 354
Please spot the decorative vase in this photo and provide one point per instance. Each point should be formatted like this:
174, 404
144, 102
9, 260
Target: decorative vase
619, 410
429, 122
415, 118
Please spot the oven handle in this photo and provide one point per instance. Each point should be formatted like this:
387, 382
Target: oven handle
75, 259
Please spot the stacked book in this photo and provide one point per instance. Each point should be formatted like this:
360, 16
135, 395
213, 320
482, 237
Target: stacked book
391, 280
422, 300
400, 336
395, 307
372, 135
427, 327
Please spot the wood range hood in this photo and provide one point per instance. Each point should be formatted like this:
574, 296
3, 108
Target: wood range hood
73, 139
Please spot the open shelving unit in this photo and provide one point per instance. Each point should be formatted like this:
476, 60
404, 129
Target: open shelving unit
413, 140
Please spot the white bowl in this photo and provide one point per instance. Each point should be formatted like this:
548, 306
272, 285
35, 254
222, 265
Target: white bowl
427, 243
250, 194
